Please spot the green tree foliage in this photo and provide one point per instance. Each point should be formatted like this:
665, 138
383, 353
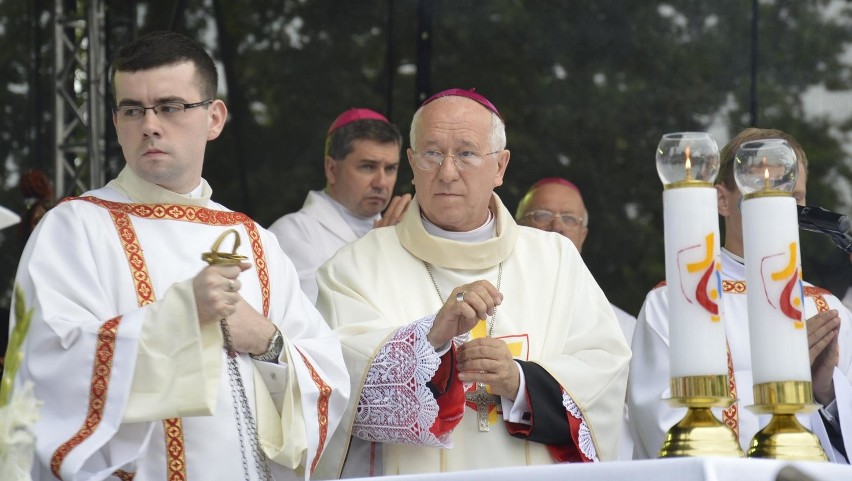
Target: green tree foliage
22, 116
587, 88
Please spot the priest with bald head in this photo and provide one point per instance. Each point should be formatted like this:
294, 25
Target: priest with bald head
554, 204
471, 342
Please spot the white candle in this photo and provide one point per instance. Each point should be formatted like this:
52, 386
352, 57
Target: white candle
777, 331
696, 328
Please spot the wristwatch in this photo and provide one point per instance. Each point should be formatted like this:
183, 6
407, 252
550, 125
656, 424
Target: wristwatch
276, 345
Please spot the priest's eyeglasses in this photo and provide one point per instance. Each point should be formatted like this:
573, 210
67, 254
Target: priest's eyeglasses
542, 217
465, 160
163, 110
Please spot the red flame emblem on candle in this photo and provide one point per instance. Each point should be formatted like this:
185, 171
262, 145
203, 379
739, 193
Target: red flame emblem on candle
792, 293
706, 293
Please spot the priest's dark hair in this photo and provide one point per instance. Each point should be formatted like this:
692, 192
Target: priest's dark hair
159, 49
340, 142
729, 151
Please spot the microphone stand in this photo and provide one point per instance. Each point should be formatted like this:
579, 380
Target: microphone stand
838, 233
843, 240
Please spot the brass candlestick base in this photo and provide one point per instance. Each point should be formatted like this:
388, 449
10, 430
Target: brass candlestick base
785, 437
699, 433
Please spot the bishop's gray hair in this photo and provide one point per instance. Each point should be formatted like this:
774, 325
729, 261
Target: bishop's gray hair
498, 128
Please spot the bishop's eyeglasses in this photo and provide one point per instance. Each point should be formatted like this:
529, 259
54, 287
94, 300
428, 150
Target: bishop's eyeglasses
164, 110
465, 160
542, 217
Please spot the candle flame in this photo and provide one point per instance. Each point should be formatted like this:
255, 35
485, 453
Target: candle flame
765, 175
688, 165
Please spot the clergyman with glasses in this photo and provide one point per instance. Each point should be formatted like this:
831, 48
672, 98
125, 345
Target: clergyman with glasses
471, 343
150, 363
555, 204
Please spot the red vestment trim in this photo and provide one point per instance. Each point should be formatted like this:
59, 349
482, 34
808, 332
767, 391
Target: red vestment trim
120, 212
566, 453
173, 427
817, 293
730, 416
734, 287
98, 389
450, 402
570, 453
322, 408
198, 215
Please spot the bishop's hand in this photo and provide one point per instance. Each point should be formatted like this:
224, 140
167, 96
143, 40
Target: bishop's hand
465, 306
489, 361
215, 289
823, 332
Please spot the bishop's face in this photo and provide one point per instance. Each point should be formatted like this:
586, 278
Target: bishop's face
453, 199
167, 150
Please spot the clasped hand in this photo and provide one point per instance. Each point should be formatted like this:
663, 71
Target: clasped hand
484, 360
456, 317
489, 361
217, 297
823, 333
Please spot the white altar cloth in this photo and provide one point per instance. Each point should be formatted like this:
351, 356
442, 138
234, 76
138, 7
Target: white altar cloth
673, 469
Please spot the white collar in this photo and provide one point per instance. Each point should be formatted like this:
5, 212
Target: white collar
480, 234
196, 192
359, 225
734, 256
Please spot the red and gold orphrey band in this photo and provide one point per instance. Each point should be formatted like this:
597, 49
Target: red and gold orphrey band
322, 408
730, 416
120, 213
104, 353
198, 215
817, 293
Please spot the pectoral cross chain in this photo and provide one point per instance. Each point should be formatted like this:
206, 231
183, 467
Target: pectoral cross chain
480, 397
483, 400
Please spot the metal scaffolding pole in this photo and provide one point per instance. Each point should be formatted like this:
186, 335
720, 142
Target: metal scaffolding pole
79, 87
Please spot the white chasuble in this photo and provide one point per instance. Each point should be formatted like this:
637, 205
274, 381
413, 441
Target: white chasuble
378, 296
651, 416
132, 385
